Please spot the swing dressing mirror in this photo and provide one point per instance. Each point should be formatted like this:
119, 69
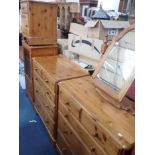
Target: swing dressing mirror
115, 72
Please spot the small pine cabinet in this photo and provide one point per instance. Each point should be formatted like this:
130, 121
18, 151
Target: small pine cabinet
39, 22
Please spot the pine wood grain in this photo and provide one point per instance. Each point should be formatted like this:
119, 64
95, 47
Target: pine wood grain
98, 115
39, 22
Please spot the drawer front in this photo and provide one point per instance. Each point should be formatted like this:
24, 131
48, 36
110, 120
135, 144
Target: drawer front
25, 24
98, 132
76, 144
62, 145
81, 131
48, 122
46, 79
38, 93
49, 95
24, 7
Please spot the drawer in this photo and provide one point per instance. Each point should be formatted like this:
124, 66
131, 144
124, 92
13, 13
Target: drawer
100, 134
62, 145
48, 122
76, 144
25, 24
81, 131
24, 7
40, 95
44, 76
37, 68
49, 95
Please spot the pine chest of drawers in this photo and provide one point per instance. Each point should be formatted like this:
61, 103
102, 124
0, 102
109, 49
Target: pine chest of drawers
48, 71
39, 22
29, 53
87, 124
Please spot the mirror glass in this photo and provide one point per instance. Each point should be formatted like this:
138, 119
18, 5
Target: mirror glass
119, 64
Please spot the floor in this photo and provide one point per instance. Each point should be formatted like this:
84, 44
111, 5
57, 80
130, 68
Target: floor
33, 137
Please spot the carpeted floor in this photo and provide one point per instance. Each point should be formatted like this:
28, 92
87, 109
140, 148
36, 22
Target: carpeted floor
34, 139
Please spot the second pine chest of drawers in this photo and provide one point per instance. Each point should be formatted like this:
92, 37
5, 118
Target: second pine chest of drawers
88, 124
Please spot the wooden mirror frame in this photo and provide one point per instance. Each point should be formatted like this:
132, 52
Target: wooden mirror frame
117, 96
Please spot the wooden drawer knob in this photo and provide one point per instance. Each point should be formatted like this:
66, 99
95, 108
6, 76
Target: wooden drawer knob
36, 91
65, 132
95, 134
66, 116
92, 149
36, 69
46, 81
67, 103
64, 149
80, 114
46, 106
36, 79
47, 122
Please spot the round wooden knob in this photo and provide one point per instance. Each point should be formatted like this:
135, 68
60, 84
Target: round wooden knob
47, 93
46, 81
95, 134
64, 149
66, 116
92, 149
46, 106
47, 122
67, 103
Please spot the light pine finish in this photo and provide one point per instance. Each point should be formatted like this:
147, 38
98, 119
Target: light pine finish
46, 110
41, 94
84, 135
46, 119
47, 72
117, 96
112, 129
62, 145
25, 23
29, 53
77, 146
24, 7
39, 22
58, 68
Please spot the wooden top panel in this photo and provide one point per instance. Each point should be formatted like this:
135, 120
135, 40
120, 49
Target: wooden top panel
118, 122
60, 68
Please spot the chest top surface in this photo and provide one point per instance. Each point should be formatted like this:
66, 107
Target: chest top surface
59, 67
115, 120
